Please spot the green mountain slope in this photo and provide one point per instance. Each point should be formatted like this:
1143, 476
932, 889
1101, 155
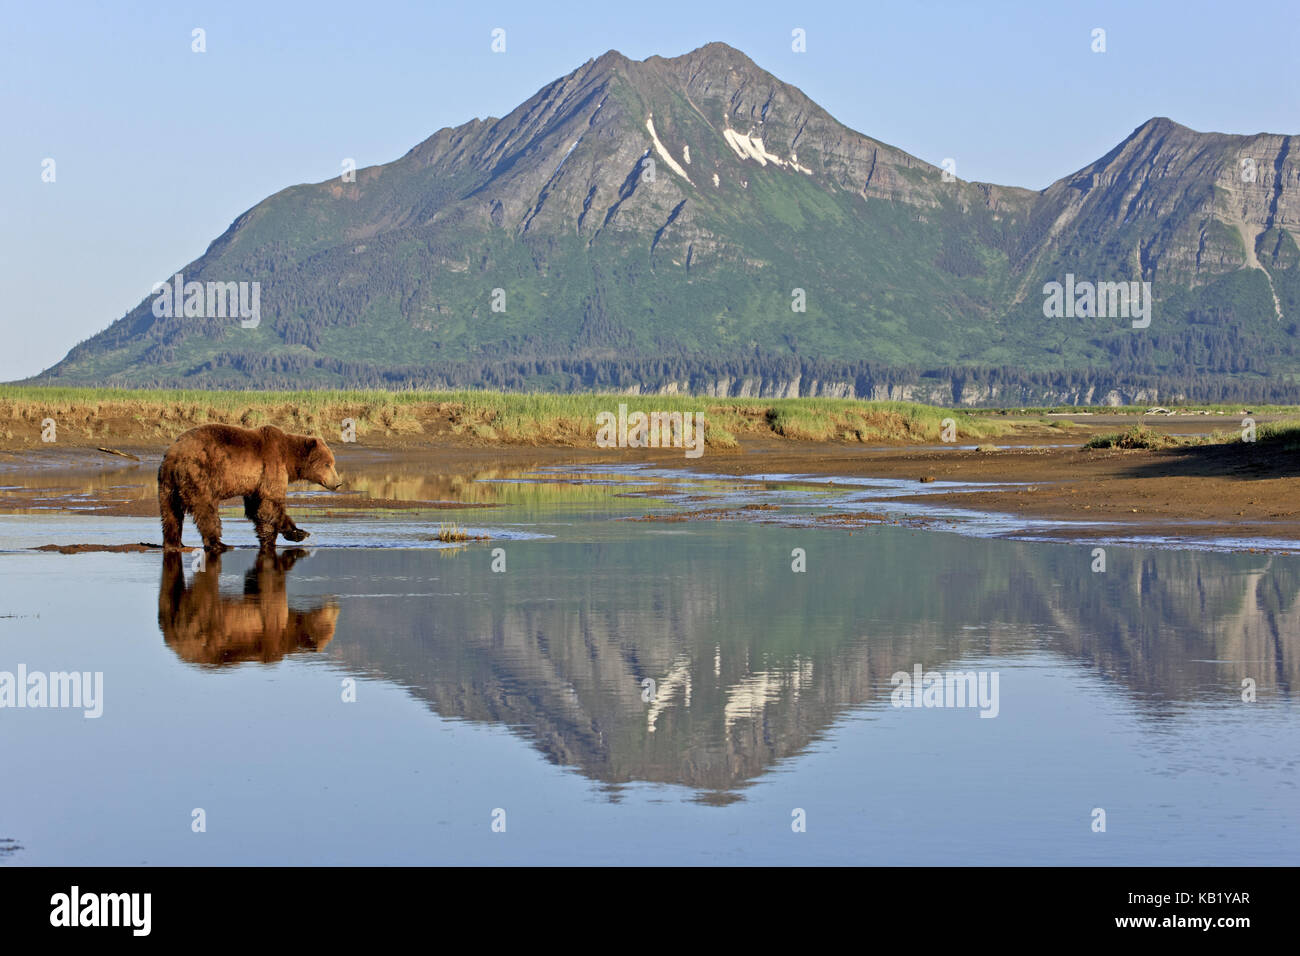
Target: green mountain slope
650, 224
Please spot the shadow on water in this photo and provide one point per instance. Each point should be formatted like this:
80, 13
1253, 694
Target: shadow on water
211, 629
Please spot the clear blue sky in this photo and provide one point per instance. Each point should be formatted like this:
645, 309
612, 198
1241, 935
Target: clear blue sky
158, 149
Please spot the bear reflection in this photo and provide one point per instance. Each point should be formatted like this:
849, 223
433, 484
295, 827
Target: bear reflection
211, 629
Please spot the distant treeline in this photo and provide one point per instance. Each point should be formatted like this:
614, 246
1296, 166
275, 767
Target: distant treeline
767, 375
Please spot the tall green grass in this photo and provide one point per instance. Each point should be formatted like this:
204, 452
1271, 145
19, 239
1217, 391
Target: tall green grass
1136, 436
498, 416
1283, 434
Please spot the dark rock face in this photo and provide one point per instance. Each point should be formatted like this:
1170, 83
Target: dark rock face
1189, 206
667, 210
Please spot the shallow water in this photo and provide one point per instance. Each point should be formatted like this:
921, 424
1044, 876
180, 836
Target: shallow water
523, 690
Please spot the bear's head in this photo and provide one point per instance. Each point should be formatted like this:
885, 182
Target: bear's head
316, 463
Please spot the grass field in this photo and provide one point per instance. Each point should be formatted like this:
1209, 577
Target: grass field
127, 415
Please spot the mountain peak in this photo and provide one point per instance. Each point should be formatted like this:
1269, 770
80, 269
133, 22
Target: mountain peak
1159, 124
715, 51
610, 59
715, 48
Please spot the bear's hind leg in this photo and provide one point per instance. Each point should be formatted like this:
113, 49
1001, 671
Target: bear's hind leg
209, 524
171, 508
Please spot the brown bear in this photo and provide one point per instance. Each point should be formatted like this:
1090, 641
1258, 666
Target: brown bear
208, 464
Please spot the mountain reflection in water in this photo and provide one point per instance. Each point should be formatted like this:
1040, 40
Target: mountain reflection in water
751, 662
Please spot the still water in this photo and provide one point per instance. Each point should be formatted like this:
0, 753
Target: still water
581, 688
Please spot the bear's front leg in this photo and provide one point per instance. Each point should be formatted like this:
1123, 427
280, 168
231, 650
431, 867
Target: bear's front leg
292, 532
272, 520
266, 518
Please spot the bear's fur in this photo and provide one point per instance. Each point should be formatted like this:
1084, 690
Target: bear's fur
208, 464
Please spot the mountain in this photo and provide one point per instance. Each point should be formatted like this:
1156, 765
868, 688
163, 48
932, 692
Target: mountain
646, 225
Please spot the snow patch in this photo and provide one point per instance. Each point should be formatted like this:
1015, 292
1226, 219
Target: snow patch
744, 146
566, 155
715, 181
663, 153
751, 147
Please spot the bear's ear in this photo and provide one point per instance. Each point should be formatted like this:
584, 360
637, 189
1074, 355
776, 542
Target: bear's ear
318, 442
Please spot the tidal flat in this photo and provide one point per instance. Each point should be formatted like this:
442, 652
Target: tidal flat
640, 663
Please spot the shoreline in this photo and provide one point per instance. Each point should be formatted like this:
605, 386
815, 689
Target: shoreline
1199, 492
1234, 491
